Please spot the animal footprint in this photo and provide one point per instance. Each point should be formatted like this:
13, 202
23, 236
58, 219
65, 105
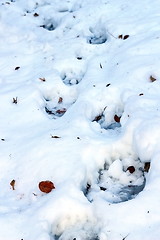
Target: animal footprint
101, 119
56, 104
98, 36
49, 24
120, 181
71, 78
57, 110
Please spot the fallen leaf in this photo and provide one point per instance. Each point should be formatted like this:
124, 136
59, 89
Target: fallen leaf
147, 166
16, 68
152, 79
97, 118
43, 26
36, 15
60, 100
120, 36
131, 169
61, 111
12, 183
103, 188
42, 79
117, 119
46, 186
125, 37
55, 137
15, 100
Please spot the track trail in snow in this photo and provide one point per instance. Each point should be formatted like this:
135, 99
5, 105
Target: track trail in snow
79, 103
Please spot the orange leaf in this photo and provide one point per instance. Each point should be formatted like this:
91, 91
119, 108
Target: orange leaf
46, 186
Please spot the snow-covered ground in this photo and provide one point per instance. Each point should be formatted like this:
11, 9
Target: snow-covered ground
80, 107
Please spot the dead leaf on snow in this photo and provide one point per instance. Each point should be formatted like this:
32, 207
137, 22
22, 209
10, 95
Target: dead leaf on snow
152, 79
12, 183
46, 186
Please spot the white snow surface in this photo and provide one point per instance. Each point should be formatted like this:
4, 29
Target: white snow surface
80, 106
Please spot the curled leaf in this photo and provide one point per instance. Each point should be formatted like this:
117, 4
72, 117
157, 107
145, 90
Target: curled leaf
12, 183
152, 79
42, 79
97, 118
36, 15
120, 36
15, 100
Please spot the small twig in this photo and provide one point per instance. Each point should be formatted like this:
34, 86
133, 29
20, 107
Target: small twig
111, 34
125, 237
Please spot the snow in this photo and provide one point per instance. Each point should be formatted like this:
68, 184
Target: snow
80, 106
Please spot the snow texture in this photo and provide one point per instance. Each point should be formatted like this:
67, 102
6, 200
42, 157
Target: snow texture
80, 107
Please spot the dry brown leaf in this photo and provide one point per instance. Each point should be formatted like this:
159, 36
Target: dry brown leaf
46, 186
12, 183
125, 37
16, 68
152, 79
97, 118
117, 118
131, 169
147, 166
60, 100
61, 111
55, 137
120, 36
42, 79
35, 14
